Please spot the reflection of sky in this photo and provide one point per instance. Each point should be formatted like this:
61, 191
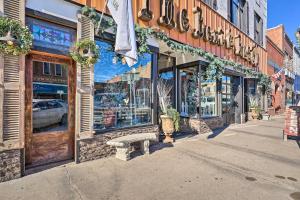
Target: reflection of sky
167, 75
106, 70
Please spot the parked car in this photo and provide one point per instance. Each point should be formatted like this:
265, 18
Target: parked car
49, 112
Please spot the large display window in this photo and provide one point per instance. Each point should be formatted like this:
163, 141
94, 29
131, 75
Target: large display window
198, 95
122, 94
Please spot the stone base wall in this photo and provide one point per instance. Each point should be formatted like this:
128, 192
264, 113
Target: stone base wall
96, 147
201, 126
10, 164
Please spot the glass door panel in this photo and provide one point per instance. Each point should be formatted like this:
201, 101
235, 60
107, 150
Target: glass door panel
189, 91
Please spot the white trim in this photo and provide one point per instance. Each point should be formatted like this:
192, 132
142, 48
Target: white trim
59, 16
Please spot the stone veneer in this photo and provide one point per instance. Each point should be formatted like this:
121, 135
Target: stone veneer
10, 164
201, 126
96, 147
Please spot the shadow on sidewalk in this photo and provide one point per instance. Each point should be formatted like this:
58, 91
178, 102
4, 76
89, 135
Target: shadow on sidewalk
295, 138
217, 132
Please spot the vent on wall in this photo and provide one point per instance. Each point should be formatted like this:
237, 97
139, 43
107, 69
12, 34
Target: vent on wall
12, 9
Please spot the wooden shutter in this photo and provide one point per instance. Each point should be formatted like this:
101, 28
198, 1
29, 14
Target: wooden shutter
12, 84
85, 85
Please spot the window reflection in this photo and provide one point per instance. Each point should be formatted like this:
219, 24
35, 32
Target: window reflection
169, 79
189, 86
50, 97
208, 98
122, 94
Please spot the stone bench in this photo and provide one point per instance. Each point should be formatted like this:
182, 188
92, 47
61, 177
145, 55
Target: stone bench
122, 144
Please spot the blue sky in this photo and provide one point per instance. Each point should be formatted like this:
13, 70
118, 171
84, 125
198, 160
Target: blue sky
284, 12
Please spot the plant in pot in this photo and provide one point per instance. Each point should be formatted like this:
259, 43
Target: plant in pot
254, 107
169, 116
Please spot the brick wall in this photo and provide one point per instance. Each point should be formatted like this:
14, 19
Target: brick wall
96, 147
10, 164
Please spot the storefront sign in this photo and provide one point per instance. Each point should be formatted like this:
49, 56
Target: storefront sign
218, 37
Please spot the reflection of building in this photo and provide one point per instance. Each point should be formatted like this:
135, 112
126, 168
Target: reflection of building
50, 81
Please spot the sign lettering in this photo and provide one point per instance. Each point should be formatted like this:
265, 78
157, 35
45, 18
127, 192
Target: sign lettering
145, 13
183, 21
167, 12
218, 37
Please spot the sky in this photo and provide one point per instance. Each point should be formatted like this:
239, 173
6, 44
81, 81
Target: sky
284, 12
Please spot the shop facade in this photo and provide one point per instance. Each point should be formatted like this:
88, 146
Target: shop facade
69, 112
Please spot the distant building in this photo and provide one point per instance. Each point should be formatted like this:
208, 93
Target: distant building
280, 38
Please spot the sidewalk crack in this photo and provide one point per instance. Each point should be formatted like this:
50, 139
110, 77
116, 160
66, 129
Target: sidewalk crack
74, 187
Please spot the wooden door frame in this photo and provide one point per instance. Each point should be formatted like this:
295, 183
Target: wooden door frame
59, 59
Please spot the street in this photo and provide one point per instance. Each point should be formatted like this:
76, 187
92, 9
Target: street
249, 161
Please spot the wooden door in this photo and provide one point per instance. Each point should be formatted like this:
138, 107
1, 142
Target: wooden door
50, 108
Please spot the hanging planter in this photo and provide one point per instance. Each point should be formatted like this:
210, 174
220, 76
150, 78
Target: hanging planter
85, 52
14, 38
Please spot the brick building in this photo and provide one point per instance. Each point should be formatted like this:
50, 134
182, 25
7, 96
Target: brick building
275, 65
279, 37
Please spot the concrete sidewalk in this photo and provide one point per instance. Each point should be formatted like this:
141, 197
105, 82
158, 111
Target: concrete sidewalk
248, 161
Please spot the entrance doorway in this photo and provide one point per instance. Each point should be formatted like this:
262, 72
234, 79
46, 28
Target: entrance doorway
228, 103
49, 107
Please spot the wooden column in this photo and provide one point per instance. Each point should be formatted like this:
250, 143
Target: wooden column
85, 85
12, 85
1, 82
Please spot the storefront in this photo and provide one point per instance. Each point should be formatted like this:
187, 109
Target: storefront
71, 111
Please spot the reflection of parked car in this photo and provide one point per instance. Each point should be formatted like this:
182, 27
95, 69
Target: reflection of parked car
49, 112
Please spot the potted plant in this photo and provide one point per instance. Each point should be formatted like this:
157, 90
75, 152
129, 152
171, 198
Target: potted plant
170, 117
254, 107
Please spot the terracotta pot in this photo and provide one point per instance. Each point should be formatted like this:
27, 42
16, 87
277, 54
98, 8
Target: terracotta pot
167, 127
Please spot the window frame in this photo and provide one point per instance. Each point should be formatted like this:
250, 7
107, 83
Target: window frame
242, 15
61, 71
200, 65
49, 65
258, 21
109, 38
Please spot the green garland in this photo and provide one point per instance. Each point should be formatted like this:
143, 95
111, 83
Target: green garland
81, 48
22, 36
217, 65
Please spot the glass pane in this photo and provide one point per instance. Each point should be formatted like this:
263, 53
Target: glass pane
189, 92
165, 61
208, 98
122, 93
50, 98
51, 37
169, 80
